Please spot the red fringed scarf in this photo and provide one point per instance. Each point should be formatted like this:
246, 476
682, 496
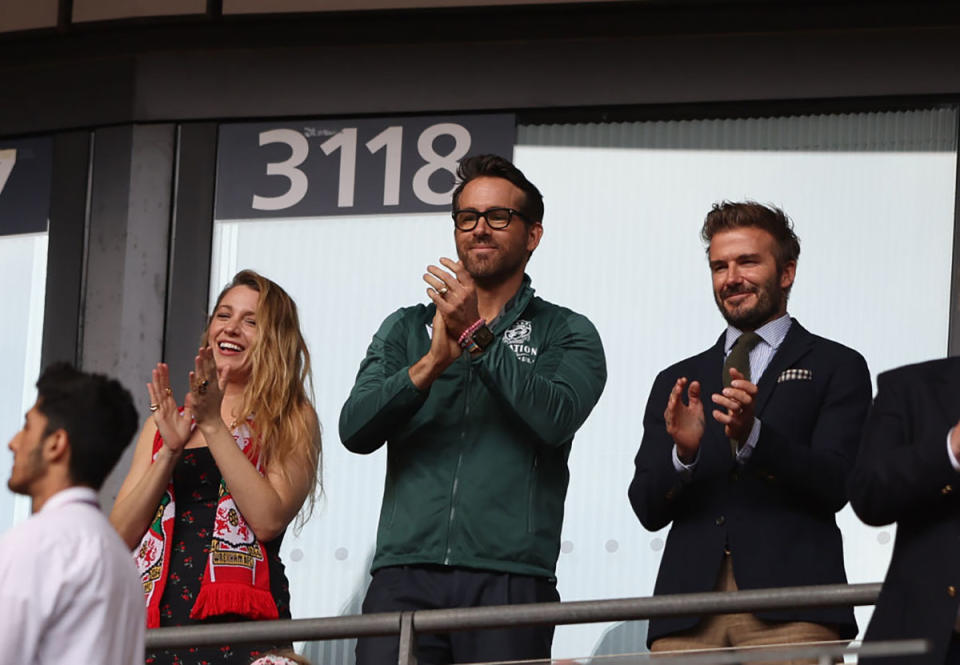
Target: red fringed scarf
236, 579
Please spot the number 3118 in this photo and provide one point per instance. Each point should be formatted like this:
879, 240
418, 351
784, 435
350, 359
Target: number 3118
345, 141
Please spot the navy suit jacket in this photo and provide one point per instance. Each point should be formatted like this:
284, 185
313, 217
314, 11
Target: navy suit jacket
776, 513
904, 475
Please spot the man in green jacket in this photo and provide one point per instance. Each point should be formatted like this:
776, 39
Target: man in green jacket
477, 397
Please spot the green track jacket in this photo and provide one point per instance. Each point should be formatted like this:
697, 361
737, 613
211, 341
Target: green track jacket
477, 465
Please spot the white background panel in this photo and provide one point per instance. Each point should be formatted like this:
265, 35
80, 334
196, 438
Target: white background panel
23, 267
621, 245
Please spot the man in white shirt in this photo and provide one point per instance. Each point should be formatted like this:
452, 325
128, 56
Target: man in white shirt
69, 590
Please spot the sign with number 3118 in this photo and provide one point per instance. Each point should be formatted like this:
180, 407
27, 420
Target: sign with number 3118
310, 168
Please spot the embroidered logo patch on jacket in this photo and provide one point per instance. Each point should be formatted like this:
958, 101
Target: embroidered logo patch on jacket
517, 337
795, 375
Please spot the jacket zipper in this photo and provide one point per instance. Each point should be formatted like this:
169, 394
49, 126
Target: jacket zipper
533, 492
456, 474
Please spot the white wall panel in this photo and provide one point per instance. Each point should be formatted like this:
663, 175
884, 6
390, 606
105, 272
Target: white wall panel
872, 196
23, 266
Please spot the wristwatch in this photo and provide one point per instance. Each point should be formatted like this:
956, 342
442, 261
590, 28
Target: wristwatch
483, 337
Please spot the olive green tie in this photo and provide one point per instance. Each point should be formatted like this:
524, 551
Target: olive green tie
739, 357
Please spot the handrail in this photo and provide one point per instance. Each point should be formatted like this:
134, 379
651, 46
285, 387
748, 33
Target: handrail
827, 653
407, 624
593, 611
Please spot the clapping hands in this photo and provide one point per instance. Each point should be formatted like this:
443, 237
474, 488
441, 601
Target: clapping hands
173, 423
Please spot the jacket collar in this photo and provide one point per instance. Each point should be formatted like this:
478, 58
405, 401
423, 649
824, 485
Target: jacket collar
514, 307
796, 344
948, 374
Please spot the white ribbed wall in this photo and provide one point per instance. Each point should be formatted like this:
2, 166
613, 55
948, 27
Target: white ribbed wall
23, 268
872, 196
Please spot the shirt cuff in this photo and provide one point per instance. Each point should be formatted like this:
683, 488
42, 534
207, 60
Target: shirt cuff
680, 466
746, 448
953, 459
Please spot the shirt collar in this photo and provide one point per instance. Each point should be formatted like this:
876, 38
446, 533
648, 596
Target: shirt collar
772, 333
76, 494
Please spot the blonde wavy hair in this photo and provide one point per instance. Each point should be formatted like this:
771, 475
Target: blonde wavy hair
278, 397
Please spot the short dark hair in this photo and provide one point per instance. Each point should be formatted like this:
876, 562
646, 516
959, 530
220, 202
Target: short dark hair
96, 412
494, 166
728, 215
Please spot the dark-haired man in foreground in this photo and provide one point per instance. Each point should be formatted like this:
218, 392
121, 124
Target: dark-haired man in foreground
477, 397
751, 487
69, 590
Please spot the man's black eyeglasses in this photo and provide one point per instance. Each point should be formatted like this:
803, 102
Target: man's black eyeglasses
497, 218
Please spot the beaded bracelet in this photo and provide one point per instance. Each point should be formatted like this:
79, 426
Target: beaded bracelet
466, 337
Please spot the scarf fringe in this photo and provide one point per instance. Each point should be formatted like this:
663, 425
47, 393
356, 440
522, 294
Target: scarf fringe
234, 598
153, 617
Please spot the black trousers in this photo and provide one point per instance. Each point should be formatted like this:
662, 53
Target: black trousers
401, 588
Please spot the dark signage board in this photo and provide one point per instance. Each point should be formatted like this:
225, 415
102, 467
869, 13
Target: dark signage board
311, 168
25, 170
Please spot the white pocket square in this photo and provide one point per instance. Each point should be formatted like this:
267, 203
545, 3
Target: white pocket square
795, 375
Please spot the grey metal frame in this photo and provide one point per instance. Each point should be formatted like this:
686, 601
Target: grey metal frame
66, 247
191, 237
953, 330
408, 624
571, 55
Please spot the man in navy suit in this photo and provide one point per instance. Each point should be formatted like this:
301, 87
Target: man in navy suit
908, 472
752, 488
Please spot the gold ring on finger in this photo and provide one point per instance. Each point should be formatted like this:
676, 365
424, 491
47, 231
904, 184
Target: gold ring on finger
168, 391
202, 387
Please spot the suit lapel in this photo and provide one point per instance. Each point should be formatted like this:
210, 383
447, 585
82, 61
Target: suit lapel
948, 395
796, 344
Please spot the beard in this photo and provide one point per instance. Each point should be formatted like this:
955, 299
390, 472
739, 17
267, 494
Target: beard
33, 469
492, 268
770, 297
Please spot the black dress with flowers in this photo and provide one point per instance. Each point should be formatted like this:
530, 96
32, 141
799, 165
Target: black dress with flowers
196, 481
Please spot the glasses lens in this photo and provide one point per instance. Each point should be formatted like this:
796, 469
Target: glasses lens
498, 217
465, 219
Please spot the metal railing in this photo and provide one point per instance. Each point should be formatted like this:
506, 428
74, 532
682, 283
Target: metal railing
408, 624
826, 653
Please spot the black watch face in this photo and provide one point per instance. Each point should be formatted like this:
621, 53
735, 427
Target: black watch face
483, 337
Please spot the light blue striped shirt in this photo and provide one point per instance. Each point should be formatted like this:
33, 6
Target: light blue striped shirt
772, 335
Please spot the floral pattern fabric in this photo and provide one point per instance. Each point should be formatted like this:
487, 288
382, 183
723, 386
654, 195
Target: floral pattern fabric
196, 479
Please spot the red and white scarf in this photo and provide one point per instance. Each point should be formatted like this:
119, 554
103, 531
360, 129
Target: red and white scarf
236, 579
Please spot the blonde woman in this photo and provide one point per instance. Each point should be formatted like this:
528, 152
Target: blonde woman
214, 484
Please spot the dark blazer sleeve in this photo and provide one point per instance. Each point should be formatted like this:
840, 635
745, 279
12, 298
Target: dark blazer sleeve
656, 484
816, 464
903, 468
